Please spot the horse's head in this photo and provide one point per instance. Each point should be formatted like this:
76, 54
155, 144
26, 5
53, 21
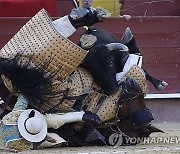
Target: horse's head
135, 118
100, 63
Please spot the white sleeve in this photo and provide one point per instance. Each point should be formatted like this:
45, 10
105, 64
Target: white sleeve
64, 26
132, 60
57, 120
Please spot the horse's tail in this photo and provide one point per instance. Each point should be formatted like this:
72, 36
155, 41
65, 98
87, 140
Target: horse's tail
32, 82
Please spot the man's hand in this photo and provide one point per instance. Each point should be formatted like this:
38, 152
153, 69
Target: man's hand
50, 139
74, 17
102, 13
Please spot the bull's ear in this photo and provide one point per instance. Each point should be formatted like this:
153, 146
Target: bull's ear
154, 129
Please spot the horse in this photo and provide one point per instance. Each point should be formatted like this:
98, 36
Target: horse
128, 115
132, 121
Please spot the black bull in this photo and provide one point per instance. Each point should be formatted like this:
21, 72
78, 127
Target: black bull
103, 64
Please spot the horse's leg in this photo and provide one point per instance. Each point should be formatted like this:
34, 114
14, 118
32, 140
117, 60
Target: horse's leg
158, 84
129, 40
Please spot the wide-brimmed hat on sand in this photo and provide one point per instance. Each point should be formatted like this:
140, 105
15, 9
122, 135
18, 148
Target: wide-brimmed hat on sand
32, 125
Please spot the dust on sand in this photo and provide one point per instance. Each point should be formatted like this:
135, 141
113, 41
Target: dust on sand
159, 143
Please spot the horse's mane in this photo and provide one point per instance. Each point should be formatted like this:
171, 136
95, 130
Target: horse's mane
31, 82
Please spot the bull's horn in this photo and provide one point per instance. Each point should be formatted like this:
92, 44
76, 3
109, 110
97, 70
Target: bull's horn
117, 46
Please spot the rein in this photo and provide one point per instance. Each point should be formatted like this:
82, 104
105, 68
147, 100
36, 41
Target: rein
65, 96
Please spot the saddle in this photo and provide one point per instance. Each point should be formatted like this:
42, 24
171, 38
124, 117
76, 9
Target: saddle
105, 106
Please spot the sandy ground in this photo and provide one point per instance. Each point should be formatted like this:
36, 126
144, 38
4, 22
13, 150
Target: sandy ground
159, 143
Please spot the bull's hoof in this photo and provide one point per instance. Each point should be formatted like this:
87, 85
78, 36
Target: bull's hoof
161, 85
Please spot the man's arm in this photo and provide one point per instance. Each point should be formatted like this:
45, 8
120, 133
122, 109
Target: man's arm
57, 120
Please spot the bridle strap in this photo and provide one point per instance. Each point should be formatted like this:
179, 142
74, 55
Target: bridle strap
128, 98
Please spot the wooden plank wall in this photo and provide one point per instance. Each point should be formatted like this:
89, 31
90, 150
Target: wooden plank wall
63, 7
151, 8
26, 8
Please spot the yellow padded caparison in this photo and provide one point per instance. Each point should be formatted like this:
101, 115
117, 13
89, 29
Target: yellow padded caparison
40, 41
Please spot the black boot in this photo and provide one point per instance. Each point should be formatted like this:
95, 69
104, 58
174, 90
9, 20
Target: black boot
88, 20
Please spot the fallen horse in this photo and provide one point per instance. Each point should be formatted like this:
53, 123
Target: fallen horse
52, 75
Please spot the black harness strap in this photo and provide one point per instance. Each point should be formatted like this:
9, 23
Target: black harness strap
127, 97
65, 93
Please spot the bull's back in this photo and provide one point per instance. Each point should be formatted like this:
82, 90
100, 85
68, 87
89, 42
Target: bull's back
103, 37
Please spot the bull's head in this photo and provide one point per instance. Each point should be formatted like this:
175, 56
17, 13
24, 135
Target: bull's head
100, 63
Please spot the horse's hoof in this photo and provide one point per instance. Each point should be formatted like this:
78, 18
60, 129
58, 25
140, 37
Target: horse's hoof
162, 85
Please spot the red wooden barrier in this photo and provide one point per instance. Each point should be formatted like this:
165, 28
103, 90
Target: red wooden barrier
26, 8
64, 7
151, 7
